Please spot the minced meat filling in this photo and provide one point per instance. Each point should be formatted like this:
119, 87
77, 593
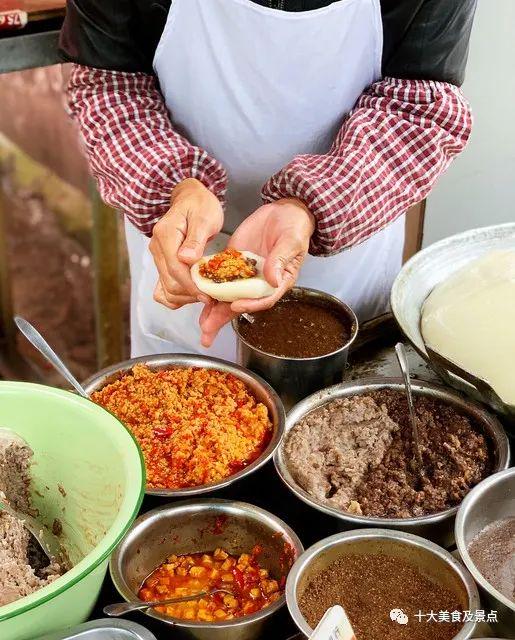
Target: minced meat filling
227, 266
23, 566
356, 454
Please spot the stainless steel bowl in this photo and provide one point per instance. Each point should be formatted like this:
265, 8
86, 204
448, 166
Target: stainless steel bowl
296, 378
261, 390
438, 527
433, 561
492, 499
433, 265
196, 526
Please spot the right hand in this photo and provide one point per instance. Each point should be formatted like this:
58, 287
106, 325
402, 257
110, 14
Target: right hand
179, 240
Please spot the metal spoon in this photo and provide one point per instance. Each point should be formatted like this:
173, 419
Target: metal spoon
403, 363
37, 341
48, 542
121, 608
248, 318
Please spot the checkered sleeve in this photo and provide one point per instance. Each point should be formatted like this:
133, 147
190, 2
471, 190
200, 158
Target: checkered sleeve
134, 152
396, 142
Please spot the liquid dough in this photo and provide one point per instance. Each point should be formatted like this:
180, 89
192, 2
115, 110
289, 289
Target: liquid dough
470, 319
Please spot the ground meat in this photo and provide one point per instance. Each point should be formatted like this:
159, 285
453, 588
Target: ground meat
331, 449
369, 587
455, 455
356, 454
23, 566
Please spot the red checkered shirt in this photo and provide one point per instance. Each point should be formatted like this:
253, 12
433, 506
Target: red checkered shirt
392, 147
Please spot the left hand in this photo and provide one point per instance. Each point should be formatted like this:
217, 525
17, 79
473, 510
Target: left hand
280, 232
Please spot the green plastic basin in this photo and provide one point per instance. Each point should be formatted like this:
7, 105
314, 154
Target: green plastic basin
88, 472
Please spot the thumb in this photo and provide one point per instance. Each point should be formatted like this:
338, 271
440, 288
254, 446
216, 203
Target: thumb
197, 236
281, 255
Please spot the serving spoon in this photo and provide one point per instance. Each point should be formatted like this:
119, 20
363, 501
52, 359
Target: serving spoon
400, 352
48, 542
121, 608
37, 341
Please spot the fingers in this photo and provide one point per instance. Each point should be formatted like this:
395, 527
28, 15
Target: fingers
177, 286
197, 236
171, 301
285, 257
213, 317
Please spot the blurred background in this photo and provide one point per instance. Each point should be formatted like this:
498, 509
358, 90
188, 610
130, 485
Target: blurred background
63, 268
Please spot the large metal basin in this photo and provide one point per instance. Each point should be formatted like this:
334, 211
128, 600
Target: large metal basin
433, 265
261, 390
438, 527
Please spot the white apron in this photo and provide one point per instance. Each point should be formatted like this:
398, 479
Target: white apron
254, 87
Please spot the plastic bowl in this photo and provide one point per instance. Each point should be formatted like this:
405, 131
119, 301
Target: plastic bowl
88, 472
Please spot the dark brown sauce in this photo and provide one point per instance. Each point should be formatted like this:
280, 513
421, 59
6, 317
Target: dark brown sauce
296, 329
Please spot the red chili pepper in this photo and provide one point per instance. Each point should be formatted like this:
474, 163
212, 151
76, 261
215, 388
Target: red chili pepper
162, 432
238, 578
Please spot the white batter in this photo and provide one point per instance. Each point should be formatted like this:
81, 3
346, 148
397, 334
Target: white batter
470, 319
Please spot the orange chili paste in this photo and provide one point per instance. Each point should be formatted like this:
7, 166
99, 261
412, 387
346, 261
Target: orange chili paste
194, 426
227, 266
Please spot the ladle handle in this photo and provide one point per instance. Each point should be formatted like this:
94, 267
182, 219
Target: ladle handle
37, 340
400, 351
121, 608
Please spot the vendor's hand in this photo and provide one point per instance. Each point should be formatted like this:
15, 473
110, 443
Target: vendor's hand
280, 232
179, 240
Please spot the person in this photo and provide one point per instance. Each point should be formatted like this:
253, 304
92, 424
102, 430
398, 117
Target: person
301, 129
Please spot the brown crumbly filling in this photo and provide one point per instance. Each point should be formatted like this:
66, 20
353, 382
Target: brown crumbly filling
227, 266
369, 587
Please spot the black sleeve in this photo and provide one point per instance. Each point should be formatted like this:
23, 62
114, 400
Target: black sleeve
427, 39
119, 35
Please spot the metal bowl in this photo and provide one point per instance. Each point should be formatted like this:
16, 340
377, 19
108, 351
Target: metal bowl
491, 500
433, 561
433, 265
297, 378
196, 526
438, 527
261, 390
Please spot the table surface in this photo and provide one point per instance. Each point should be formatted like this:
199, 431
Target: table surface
266, 490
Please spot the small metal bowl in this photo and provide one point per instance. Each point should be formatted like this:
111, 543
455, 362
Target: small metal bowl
491, 500
193, 527
433, 561
297, 378
261, 390
438, 527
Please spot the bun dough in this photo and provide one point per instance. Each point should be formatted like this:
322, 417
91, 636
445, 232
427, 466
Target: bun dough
256, 287
470, 319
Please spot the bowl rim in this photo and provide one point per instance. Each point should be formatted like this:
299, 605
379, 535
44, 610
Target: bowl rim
344, 389
382, 534
354, 327
101, 551
185, 360
204, 504
459, 529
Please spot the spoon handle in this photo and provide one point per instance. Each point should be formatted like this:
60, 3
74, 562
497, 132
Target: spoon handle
121, 608
37, 340
403, 363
